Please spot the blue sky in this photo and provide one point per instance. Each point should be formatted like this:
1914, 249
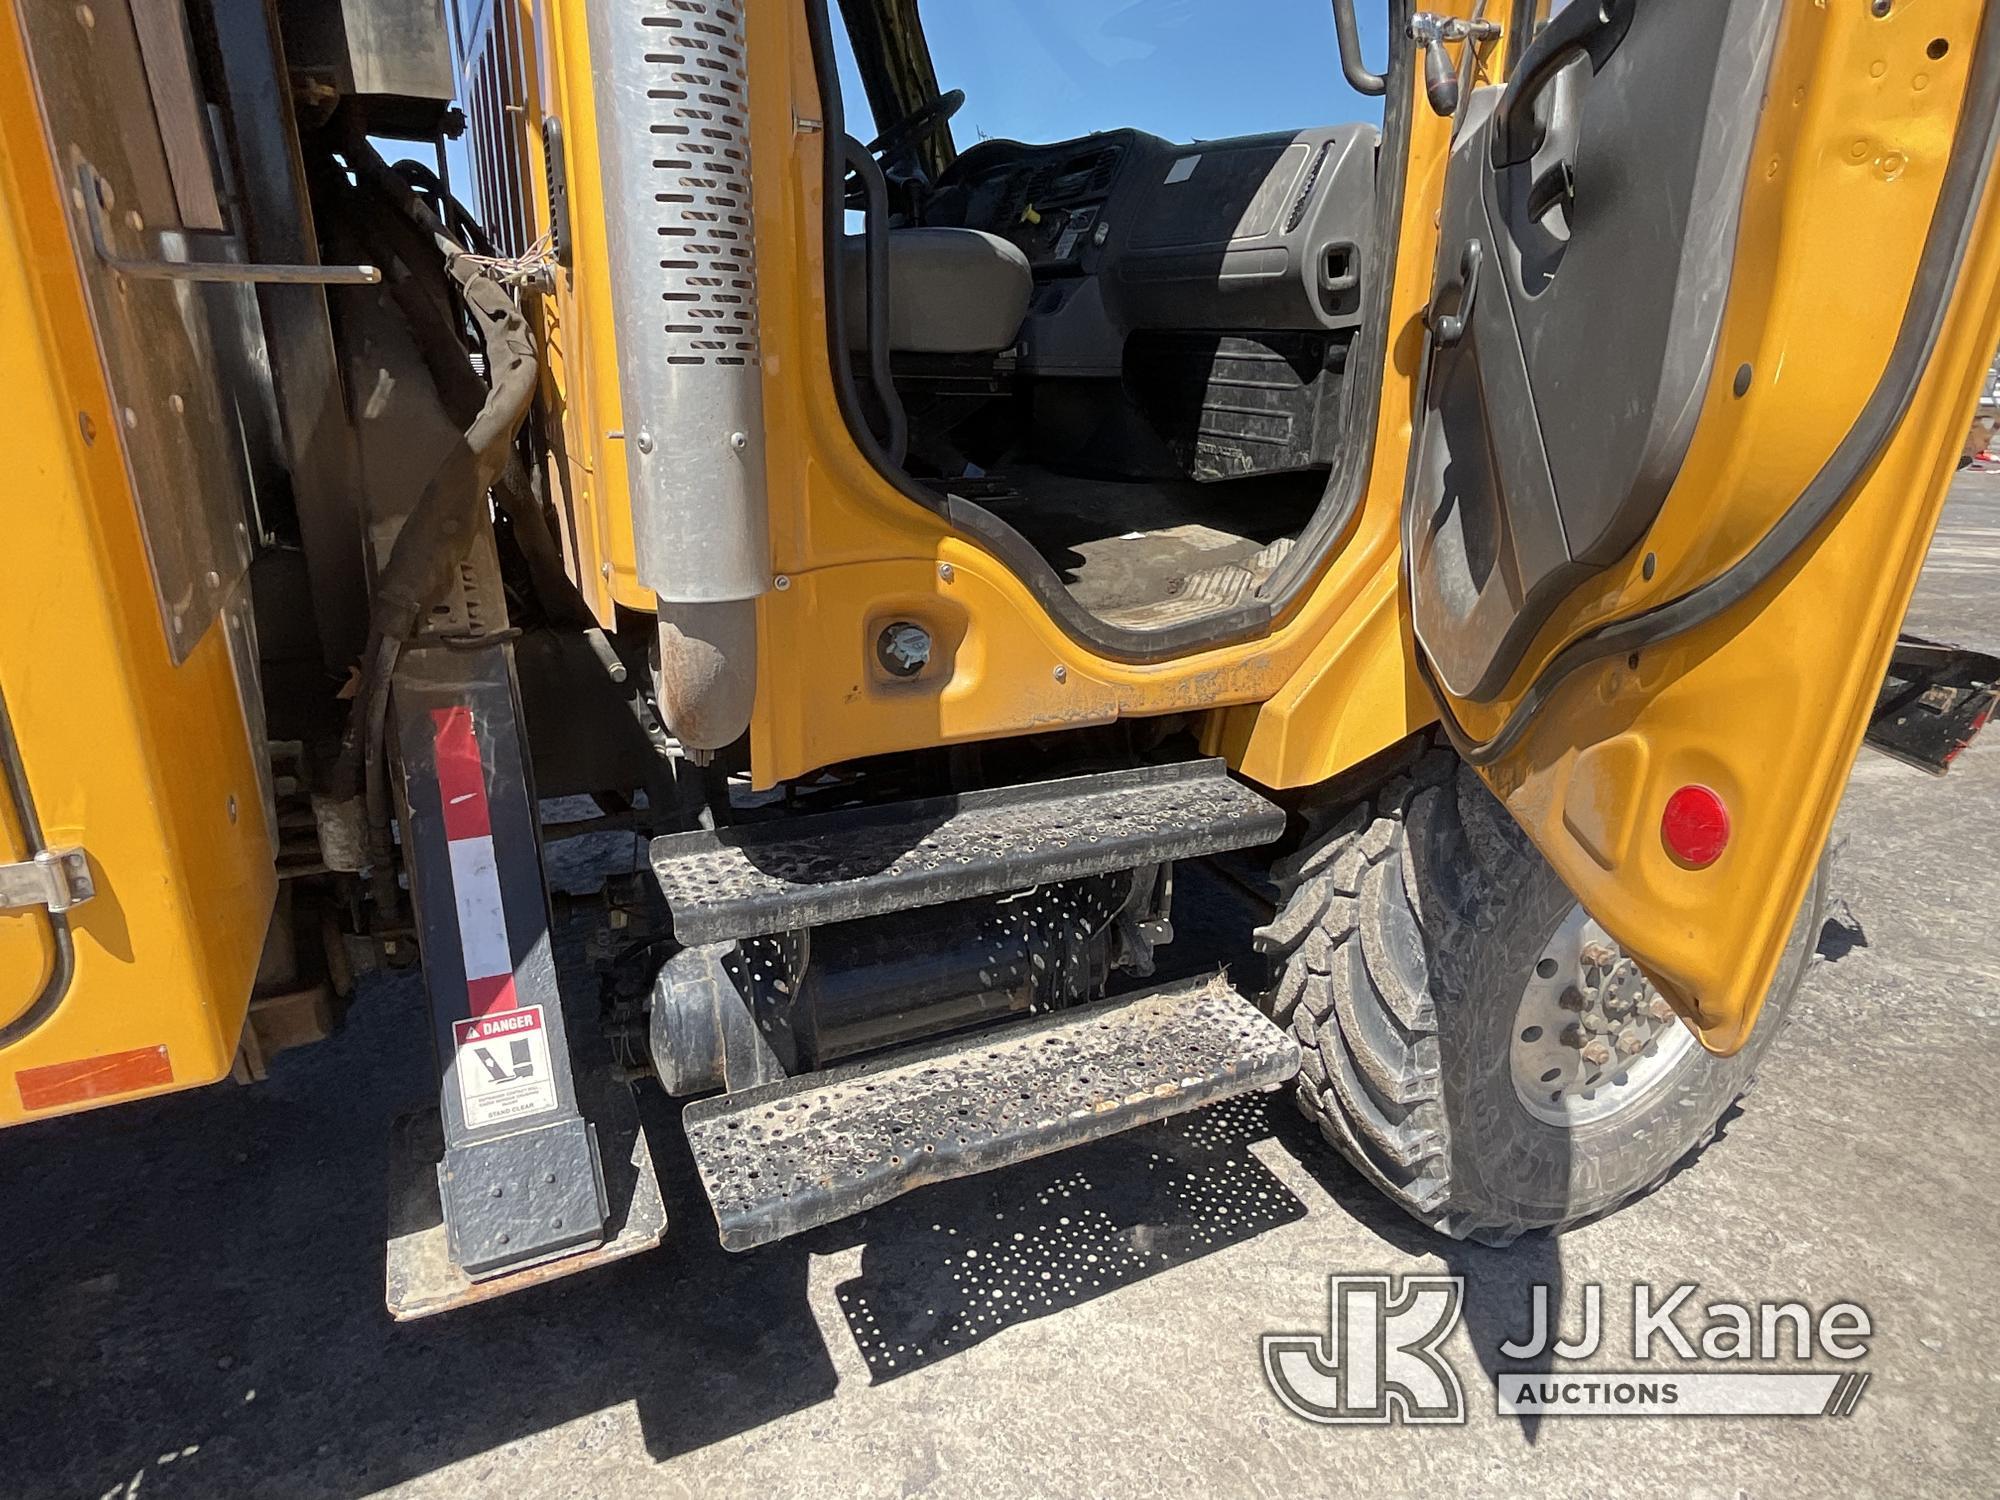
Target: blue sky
1047, 70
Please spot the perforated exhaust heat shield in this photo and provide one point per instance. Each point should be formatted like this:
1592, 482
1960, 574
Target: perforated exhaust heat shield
673, 124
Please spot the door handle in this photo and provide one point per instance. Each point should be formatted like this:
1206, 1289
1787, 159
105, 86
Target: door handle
1450, 328
1591, 28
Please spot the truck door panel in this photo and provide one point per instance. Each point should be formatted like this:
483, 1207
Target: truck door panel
1589, 322
1665, 515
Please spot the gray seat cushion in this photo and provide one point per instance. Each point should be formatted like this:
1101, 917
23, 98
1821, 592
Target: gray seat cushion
951, 291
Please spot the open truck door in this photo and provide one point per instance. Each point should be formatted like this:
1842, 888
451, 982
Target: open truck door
1714, 291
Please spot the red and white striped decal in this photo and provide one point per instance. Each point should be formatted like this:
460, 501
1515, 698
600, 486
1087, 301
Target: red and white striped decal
475, 873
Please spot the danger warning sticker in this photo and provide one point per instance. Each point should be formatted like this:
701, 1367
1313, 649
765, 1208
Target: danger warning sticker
503, 1066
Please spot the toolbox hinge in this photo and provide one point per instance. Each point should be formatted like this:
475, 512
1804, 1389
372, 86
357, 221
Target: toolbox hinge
55, 878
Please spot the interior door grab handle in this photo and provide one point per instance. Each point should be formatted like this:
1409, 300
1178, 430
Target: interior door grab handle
1591, 28
1450, 328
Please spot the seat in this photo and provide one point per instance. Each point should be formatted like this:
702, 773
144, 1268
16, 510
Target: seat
951, 291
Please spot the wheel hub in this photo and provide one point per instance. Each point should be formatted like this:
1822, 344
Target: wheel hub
1591, 1035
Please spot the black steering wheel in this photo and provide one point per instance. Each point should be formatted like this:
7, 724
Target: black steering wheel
901, 139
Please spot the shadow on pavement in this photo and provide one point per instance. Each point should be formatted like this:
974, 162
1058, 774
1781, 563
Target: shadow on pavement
1497, 1281
193, 1286
952, 1266
194, 1300
194, 1303
1841, 934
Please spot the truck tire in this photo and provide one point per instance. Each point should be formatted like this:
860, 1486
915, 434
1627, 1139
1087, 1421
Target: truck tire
1469, 1040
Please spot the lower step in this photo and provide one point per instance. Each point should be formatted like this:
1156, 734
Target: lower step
793, 1155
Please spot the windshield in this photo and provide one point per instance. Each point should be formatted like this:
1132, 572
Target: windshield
1050, 70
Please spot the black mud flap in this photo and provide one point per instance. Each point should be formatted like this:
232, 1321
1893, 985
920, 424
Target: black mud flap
790, 1156
1933, 701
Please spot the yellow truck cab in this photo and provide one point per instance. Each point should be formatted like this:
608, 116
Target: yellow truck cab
926, 512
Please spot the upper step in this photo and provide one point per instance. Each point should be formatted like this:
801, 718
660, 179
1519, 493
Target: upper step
779, 876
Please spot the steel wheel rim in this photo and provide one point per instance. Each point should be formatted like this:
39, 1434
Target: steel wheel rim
1592, 1038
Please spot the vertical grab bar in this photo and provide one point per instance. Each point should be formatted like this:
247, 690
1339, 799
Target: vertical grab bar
1359, 78
875, 257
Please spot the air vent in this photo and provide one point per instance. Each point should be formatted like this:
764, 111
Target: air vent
1102, 169
1298, 213
555, 170
1081, 179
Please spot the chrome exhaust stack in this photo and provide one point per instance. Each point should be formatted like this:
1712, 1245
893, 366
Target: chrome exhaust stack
673, 124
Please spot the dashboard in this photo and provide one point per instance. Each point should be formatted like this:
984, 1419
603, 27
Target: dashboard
1047, 200
1127, 232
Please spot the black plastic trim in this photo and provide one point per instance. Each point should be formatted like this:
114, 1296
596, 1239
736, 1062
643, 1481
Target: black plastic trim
1361, 397
1966, 175
1582, 30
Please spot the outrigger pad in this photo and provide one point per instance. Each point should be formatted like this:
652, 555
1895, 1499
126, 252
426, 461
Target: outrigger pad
790, 1156
421, 1278
759, 878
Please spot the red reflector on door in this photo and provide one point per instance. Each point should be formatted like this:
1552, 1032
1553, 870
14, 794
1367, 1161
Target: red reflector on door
1695, 826
94, 1078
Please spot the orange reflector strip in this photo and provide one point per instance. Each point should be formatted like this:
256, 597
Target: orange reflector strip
94, 1078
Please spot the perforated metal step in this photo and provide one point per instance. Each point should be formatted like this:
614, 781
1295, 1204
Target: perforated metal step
833, 867
790, 1156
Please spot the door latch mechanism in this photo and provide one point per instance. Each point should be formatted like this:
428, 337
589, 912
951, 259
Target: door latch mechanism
1433, 33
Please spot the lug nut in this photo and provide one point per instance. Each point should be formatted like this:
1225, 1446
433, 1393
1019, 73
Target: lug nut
1597, 1052
1598, 954
1659, 1009
1631, 1041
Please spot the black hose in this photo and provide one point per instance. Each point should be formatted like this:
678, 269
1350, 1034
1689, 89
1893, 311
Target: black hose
62, 947
458, 218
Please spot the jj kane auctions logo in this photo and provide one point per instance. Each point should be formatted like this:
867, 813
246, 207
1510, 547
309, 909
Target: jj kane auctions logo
1380, 1359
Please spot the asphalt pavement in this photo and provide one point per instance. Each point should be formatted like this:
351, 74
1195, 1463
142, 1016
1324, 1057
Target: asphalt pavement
191, 1288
